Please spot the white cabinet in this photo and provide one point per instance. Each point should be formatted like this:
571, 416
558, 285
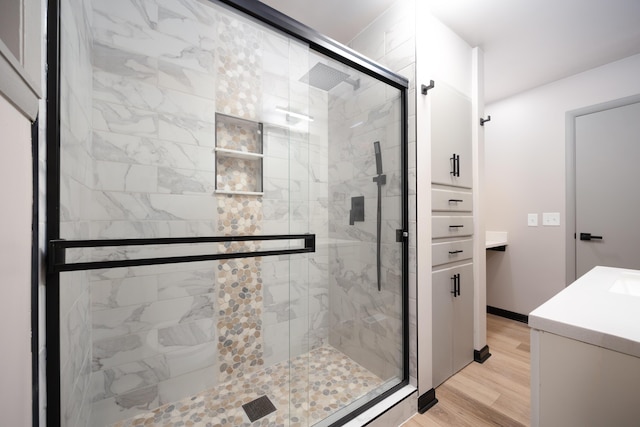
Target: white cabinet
450, 137
452, 321
585, 352
576, 384
452, 231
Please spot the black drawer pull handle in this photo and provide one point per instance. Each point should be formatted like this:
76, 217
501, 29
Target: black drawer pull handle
456, 200
456, 226
459, 251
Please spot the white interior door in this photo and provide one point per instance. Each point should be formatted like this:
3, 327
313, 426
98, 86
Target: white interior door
608, 189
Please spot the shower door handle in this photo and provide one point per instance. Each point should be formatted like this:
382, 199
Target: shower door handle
57, 260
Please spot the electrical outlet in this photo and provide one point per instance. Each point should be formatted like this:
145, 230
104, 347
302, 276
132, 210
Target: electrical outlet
532, 220
551, 218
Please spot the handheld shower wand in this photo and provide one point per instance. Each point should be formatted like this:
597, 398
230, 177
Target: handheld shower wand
381, 180
376, 148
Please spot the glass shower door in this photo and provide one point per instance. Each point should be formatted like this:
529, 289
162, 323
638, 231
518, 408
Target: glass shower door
229, 207
365, 246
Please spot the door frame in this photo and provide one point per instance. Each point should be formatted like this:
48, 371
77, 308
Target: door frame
570, 177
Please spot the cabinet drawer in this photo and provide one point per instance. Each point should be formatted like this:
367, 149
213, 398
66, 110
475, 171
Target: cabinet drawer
451, 226
458, 250
447, 200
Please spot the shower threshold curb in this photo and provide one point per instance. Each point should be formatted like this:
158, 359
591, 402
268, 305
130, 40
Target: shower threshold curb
387, 404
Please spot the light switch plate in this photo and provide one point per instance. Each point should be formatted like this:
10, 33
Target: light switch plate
551, 218
532, 220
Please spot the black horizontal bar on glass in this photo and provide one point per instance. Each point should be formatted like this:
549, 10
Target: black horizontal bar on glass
57, 248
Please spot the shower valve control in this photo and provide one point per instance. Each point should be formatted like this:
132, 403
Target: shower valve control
357, 209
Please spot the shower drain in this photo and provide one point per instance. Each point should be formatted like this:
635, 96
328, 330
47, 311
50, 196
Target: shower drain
258, 408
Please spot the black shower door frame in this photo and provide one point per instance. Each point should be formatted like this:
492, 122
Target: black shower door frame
56, 247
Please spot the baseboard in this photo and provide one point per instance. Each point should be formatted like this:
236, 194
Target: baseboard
481, 355
508, 314
426, 401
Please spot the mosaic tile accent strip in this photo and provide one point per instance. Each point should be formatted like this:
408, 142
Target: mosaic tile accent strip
240, 302
240, 299
240, 292
305, 390
238, 66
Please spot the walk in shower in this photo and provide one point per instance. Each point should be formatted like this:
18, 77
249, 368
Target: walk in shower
227, 223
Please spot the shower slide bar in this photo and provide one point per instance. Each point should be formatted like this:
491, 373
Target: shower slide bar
381, 180
57, 250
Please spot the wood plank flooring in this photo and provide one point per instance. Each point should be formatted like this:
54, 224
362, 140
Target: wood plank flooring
495, 393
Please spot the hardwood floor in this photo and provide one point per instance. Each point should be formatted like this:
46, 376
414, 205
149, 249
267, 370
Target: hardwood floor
495, 393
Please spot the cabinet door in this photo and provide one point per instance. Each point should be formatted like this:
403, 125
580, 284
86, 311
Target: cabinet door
450, 135
442, 325
463, 319
452, 322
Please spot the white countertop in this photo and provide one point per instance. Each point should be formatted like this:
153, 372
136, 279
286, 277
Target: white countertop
600, 308
493, 239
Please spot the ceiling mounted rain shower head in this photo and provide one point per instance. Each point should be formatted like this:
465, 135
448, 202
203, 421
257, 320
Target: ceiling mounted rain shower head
326, 78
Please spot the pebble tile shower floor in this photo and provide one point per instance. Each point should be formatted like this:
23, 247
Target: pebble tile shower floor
304, 390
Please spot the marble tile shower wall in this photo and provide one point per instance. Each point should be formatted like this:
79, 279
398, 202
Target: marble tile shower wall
155, 329
75, 194
363, 320
390, 40
366, 324
295, 201
161, 69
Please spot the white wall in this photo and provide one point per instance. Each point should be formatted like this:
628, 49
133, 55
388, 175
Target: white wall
525, 173
20, 91
15, 267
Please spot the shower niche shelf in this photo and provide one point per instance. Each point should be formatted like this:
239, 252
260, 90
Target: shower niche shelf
239, 156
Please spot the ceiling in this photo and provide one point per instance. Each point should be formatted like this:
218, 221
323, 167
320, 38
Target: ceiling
526, 43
